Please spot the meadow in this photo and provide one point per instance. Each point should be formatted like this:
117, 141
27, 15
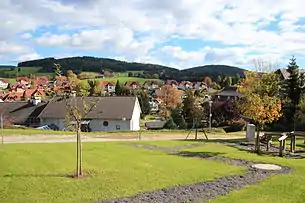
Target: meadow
37, 172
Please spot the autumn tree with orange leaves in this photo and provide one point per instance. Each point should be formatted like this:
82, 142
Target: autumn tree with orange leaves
260, 99
171, 98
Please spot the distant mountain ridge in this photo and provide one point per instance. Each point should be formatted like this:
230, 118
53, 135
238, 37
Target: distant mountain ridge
95, 64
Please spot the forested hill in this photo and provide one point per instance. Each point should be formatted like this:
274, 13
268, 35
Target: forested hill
79, 64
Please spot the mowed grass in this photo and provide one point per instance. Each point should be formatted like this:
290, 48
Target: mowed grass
289, 188
34, 172
24, 71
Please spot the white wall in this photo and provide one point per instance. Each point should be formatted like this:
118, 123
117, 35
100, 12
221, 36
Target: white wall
96, 125
136, 116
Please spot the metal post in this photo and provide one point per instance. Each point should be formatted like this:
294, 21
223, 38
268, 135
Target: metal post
2, 140
210, 121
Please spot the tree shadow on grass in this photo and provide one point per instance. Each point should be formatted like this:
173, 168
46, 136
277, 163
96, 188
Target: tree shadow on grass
215, 140
37, 176
198, 154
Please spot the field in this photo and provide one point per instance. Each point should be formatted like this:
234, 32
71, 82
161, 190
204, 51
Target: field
124, 79
36, 172
24, 71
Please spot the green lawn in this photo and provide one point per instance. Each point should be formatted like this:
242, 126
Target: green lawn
124, 79
280, 188
33, 172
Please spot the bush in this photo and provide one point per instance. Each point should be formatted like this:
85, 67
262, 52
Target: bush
170, 124
236, 126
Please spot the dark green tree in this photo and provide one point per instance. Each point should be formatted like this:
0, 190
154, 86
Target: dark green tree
130, 74
178, 118
144, 103
170, 124
293, 90
118, 88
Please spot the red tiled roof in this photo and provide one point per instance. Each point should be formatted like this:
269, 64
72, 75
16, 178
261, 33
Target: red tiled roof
130, 83
42, 80
23, 78
105, 83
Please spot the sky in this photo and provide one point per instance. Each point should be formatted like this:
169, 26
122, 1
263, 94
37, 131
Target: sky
176, 33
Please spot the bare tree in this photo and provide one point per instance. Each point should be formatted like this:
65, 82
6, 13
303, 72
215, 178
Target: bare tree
265, 66
76, 111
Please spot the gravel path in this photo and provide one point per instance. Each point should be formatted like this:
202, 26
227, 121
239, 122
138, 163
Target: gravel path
202, 191
273, 150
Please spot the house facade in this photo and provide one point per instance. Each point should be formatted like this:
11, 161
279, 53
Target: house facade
108, 114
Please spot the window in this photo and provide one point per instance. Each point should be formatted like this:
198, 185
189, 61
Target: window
118, 127
105, 123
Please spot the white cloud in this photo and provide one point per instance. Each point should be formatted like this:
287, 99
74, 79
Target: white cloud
28, 57
10, 48
133, 29
26, 36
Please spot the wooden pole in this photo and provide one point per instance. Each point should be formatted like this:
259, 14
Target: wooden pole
77, 153
80, 151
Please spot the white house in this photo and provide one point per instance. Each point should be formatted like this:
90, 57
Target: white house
3, 84
108, 114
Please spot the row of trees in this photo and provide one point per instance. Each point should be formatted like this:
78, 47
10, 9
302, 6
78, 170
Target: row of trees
266, 99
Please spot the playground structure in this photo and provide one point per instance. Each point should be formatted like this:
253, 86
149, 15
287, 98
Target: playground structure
267, 139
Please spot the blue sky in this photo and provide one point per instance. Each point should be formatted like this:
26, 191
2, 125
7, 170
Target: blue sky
176, 33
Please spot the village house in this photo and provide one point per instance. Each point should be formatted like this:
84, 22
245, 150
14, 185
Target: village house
200, 86
108, 114
132, 85
108, 86
42, 81
228, 93
21, 113
184, 85
172, 83
151, 85
3, 83
23, 81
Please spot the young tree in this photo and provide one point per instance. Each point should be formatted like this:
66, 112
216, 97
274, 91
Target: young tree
57, 69
192, 109
83, 89
170, 100
208, 81
76, 111
155, 76
260, 99
293, 89
33, 84
72, 79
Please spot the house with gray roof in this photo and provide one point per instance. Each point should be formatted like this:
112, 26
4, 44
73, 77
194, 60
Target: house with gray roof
284, 74
107, 114
21, 113
228, 93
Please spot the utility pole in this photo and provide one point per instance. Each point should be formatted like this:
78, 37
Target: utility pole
2, 139
210, 121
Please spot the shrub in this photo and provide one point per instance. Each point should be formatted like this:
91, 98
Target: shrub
236, 126
170, 124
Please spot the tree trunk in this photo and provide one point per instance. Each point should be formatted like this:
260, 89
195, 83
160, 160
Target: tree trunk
80, 152
77, 153
257, 140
